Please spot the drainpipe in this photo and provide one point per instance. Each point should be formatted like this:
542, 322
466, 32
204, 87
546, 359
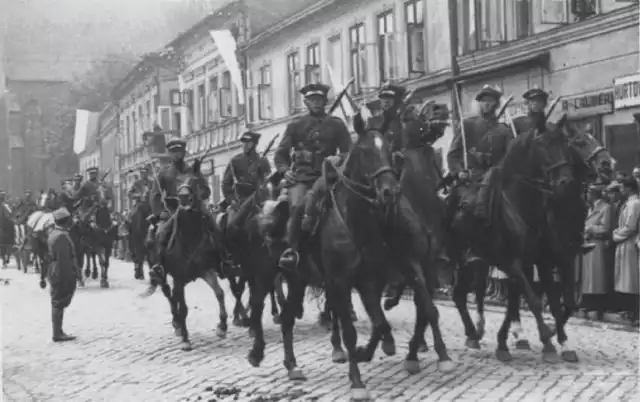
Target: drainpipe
453, 54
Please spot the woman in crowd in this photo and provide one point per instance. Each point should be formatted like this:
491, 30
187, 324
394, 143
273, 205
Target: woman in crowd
596, 274
627, 257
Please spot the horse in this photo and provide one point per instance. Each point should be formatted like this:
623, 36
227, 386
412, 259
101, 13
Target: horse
7, 233
97, 234
353, 246
137, 229
191, 254
533, 167
560, 242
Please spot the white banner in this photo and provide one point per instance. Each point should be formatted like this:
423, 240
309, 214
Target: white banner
227, 47
86, 127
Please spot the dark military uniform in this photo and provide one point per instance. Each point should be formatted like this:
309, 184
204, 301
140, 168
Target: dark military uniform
241, 179
312, 138
394, 132
87, 194
535, 119
63, 273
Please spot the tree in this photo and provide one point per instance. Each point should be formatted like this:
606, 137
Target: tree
91, 91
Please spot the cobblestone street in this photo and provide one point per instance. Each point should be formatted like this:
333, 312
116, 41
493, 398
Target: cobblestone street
126, 351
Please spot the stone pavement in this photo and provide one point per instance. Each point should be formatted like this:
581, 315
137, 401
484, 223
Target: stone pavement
127, 352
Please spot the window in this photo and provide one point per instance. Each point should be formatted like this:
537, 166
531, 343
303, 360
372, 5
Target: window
202, 106
386, 47
265, 109
334, 59
148, 122
567, 11
213, 103
358, 58
128, 145
493, 23
414, 20
177, 122
312, 69
226, 105
522, 18
141, 119
134, 130
293, 72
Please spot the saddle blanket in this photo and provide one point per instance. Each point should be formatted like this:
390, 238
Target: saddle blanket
40, 220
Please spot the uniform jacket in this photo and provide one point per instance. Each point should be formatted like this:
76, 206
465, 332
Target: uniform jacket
394, 133
312, 138
63, 267
168, 182
139, 188
487, 142
526, 123
242, 175
627, 268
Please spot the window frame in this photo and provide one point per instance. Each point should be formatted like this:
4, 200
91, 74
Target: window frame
294, 81
313, 68
226, 101
413, 26
357, 53
213, 109
265, 93
201, 89
385, 37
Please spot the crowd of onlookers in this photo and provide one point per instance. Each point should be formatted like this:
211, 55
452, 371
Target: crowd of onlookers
609, 275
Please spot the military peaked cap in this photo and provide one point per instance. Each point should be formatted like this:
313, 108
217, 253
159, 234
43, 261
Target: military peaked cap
78, 176
315, 90
535, 93
490, 92
176, 144
392, 91
60, 214
250, 136
92, 169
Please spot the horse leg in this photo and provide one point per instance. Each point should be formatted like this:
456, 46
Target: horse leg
240, 318
274, 307
411, 362
324, 318
461, 288
257, 294
337, 355
87, 270
513, 306
370, 294
481, 276
549, 352
94, 272
289, 309
166, 291
339, 295
570, 306
183, 311
279, 292
212, 280
391, 302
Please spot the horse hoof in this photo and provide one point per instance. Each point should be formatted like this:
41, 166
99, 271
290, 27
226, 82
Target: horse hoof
503, 355
254, 359
570, 356
245, 322
360, 394
362, 355
221, 333
389, 348
276, 319
523, 344
296, 374
186, 346
446, 366
472, 343
338, 356
237, 322
94, 275
87, 274
412, 366
550, 357
423, 348
104, 284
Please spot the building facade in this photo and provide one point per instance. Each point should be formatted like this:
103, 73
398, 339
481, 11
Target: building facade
107, 137
148, 96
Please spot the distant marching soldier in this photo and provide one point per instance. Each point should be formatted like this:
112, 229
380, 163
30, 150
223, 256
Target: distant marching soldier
312, 138
242, 176
391, 100
487, 141
165, 193
63, 272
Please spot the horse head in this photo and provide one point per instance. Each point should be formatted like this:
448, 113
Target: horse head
595, 156
191, 189
426, 124
369, 162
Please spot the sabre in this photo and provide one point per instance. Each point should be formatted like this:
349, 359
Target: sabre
465, 158
273, 140
338, 99
551, 107
503, 108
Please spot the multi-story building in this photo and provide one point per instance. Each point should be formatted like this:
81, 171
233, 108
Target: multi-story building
148, 96
107, 137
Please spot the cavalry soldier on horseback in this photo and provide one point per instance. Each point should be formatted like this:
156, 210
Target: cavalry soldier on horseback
391, 100
487, 141
88, 193
164, 203
25, 206
536, 100
77, 181
141, 187
242, 177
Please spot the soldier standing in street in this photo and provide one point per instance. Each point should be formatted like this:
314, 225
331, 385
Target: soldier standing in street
63, 273
312, 138
487, 141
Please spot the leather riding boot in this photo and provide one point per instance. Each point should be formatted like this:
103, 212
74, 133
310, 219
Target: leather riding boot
56, 321
290, 258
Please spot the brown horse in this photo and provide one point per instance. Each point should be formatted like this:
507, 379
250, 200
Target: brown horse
534, 166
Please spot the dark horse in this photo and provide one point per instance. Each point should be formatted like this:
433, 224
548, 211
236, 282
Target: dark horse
137, 228
191, 253
97, 236
366, 227
561, 240
7, 233
534, 166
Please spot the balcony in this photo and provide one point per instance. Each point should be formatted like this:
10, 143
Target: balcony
224, 134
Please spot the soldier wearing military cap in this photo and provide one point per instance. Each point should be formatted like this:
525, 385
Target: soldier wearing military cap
164, 193
313, 138
25, 206
487, 141
391, 100
63, 272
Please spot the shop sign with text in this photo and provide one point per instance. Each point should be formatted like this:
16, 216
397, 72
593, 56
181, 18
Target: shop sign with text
627, 91
588, 104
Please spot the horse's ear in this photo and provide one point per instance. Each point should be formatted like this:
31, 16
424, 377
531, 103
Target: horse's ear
358, 124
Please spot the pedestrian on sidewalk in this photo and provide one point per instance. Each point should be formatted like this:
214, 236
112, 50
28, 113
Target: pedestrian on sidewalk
63, 272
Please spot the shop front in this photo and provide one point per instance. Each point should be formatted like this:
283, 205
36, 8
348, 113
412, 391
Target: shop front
622, 128
587, 110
